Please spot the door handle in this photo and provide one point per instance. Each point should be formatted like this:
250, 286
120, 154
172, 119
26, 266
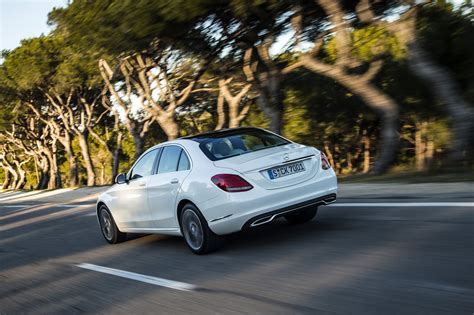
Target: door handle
141, 184
174, 181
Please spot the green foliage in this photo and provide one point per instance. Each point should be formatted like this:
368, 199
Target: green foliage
449, 36
256, 118
128, 151
297, 125
369, 43
34, 63
374, 41
124, 26
47, 62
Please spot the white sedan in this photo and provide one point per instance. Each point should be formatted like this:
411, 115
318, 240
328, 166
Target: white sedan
205, 186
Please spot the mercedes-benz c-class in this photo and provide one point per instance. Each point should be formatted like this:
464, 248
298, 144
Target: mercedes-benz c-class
208, 185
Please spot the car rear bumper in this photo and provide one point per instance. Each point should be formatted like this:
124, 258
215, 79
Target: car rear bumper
270, 216
232, 212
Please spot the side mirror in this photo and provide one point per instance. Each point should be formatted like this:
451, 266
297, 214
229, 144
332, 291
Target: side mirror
121, 178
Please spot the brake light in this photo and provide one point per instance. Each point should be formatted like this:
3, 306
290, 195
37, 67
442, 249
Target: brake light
231, 182
325, 162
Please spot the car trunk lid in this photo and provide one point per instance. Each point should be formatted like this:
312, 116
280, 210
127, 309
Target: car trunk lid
255, 166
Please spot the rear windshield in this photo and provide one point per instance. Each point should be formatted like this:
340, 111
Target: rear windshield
224, 145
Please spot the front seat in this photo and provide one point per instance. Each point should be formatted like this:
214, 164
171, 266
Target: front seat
221, 149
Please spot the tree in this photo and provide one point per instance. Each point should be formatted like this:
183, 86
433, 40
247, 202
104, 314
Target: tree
123, 95
243, 29
60, 86
233, 94
438, 78
346, 70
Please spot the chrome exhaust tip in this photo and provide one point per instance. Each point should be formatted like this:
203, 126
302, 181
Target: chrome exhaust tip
329, 200
262, 221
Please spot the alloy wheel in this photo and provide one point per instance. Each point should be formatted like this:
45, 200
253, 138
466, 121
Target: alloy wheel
192, 229
106, 224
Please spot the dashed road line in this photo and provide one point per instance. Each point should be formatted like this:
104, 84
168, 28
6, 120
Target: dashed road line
50, 205
176, 285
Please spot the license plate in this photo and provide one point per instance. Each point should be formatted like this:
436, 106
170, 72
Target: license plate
286, 170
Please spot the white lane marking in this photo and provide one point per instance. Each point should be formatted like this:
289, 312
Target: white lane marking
93, 214
52, 206
139, 277
16, 206
403, 204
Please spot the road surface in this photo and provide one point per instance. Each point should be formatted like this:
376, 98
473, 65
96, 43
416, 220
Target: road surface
368, 256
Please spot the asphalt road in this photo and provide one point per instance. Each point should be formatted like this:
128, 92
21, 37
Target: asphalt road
383, 258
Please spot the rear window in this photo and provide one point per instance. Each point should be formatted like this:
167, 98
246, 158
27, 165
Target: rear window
224, 145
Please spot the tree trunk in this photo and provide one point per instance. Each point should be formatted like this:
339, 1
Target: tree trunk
419, 149
116, 157
234, 121
388, 112
21, 179
36, 163
102, 174
349, 162
220, 112
8, 178
388, 143
15, 177
139, 143
328, 153
54, 178
236, 117
270, 101
83, 143
55, 167
73, 171
430, 149
169, 126
439, 80
44, 177
72, 159
267, 77
14, 181
366, 143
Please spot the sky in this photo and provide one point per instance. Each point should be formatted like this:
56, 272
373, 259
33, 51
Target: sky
21, 19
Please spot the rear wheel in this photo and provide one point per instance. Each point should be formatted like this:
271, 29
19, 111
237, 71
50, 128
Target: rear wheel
302, 216
108, 227
199, 238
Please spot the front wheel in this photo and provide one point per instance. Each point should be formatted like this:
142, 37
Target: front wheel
302, 215
199, 238
108, 227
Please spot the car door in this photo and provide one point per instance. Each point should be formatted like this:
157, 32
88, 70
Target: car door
133, 210
173, 167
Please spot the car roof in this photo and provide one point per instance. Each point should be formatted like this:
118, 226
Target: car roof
221, 133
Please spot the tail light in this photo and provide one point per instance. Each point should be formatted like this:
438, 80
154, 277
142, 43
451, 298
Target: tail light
231, 182
325, 162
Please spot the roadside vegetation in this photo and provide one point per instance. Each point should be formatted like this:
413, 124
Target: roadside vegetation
379, 86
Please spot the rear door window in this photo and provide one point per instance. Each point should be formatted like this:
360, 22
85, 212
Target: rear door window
169, 159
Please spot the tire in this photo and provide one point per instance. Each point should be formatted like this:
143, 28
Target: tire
302, 216
196, 233
108, 227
